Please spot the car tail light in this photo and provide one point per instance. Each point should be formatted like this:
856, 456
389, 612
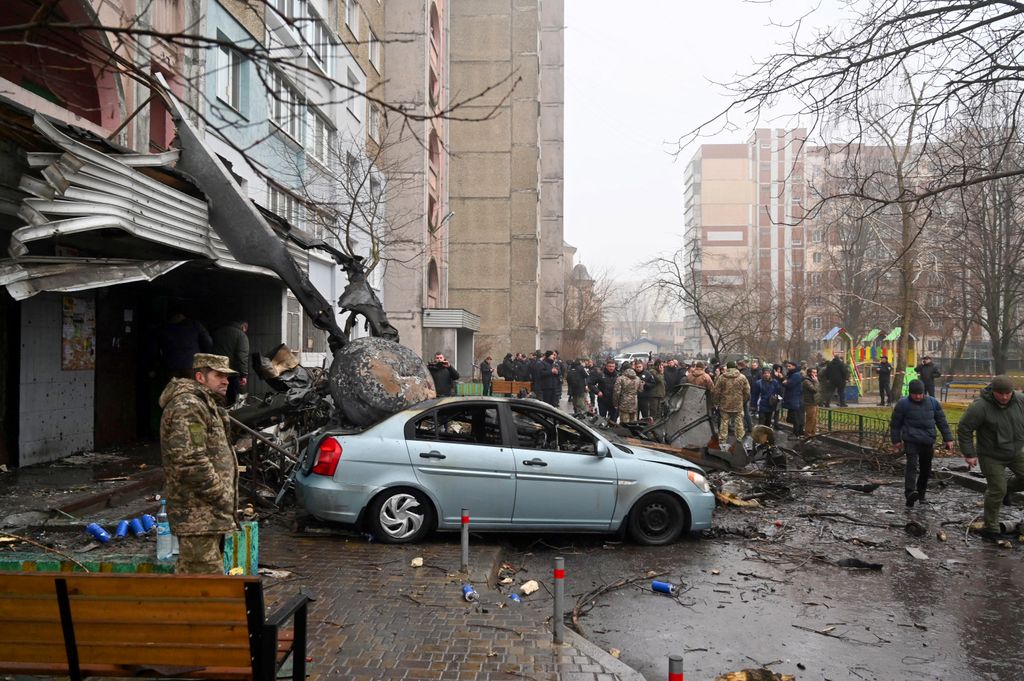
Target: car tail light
327, 457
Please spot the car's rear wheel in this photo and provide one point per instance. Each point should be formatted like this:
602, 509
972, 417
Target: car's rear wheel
401, 516
657, 519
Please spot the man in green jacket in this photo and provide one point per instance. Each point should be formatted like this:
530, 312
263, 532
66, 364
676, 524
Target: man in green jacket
996, 420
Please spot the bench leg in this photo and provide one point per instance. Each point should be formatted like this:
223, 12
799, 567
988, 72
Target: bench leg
299, 645
68, 627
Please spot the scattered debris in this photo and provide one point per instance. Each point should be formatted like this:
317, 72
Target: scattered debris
755, 675
917, 553
276, 574
858, 564
1004, 544
916, 528
615, 652
529, 587
416, 562
728, 499
940, 535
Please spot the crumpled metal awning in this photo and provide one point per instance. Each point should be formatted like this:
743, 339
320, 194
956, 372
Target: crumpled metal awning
83, 193
28, 276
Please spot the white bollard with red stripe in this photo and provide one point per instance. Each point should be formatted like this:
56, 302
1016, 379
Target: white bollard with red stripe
558, 621
675, 668
465, 540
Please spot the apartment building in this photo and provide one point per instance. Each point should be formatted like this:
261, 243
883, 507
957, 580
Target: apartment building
746, 228
506, 237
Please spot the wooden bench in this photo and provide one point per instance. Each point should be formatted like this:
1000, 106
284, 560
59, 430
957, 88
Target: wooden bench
127, 625
503, 387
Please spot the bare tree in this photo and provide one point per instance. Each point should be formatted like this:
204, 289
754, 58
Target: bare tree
961, 53
583, 316
630, 305
719, 306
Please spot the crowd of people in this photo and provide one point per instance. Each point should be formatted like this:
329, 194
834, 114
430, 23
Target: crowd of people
741, 393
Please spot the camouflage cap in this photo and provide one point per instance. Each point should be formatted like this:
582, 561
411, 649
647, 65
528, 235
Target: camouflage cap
205, 360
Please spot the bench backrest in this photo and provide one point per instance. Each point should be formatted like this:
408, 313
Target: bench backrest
128, 620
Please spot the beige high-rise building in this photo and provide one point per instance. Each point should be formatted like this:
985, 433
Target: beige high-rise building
744, 215
505, 253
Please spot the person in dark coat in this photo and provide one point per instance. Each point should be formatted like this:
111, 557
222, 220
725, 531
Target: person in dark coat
836, 374
178, 341
536, 367
485, 374
522, 368
912, 428
765, 397
603, 385
793, 397
577, 383
232, 342
444, 375
884, 371
507, 368
548, 378
674, 375
928, 372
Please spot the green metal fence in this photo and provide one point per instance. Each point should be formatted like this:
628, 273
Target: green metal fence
868, 429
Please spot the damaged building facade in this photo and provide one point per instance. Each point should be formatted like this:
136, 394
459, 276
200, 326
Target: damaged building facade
105, 237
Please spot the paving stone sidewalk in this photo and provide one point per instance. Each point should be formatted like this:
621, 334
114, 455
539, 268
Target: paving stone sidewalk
375, 617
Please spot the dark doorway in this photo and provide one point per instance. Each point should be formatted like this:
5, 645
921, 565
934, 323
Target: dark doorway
10, 370
118, 334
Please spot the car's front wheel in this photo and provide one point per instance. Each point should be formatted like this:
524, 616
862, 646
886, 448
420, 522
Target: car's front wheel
401, 516
657, 519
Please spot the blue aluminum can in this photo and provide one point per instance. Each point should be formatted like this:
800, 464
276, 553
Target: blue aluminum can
122, 529
469, 593
148, 522
136, 526
665, 588
515, 598
101, 535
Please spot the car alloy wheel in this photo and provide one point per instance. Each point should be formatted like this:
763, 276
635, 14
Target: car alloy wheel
401, 516
657, 519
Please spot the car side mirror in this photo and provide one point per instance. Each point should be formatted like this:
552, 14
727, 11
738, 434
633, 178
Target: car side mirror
602, 450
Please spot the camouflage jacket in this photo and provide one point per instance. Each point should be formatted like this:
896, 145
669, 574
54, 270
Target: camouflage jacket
199, 464
701, 378
731, 391
627, 387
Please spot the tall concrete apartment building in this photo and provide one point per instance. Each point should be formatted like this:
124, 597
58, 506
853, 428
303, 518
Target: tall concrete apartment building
743, 210
505, 239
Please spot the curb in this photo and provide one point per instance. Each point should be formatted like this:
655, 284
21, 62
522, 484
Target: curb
602, 657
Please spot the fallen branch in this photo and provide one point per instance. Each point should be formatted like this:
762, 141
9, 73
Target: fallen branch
45, 548
587, 601
848, 518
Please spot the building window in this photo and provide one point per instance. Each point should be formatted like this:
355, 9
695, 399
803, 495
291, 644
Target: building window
352, 170
294, 322
285, 105
797, 242
817, 257
321, 44
373, 122
284, 204
352, 16
353, 94
374, 44
815, 323
817, 236
286, 8
322, 138
229, 77
815, 278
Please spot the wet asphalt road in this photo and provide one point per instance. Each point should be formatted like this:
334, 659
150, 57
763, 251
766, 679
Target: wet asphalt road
774, 598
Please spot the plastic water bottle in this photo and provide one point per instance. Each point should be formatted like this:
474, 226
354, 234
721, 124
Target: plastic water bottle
163, 533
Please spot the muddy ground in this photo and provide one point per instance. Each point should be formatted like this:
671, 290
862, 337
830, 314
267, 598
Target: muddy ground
764, 588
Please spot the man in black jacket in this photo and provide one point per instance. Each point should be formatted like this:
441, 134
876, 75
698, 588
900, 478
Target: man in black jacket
485, 374
522, 367
928, 372
603, 385
884, 371
836, 373
444, 375
912, 427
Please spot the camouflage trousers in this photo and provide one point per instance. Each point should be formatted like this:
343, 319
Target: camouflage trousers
732, 421
201, 554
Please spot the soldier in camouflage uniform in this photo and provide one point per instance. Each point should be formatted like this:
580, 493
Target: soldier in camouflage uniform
627, 388
199, 464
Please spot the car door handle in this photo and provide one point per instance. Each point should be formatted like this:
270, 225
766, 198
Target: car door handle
432, 454
534, 462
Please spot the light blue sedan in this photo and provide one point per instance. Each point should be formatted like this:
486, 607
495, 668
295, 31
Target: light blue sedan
515, 465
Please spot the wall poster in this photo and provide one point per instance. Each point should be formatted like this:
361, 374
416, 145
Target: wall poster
78, 334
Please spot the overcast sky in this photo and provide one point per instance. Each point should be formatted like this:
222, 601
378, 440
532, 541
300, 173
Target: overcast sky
637, 77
